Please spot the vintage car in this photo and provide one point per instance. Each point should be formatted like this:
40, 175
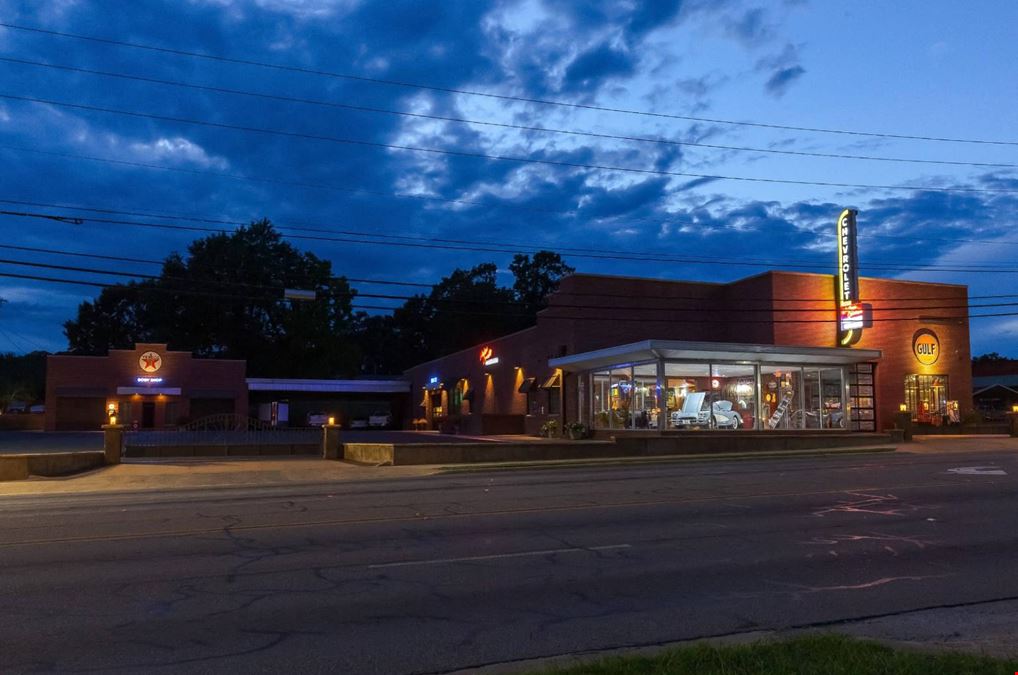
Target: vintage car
696, 412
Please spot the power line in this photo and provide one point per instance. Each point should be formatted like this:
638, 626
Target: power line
502, 125
554, 305
505, 248
491, 157
149, 261
642, 319
357, 192
502, 97
559, 292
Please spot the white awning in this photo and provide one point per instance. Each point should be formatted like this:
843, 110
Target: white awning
149, 391
677, 350
365, 386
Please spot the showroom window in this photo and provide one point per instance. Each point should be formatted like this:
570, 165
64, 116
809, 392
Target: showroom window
926, 397
733, 389
687, 394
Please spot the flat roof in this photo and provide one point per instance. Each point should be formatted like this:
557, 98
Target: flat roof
363, 386
678, 350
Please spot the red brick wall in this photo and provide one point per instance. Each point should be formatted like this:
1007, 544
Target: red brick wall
595, 312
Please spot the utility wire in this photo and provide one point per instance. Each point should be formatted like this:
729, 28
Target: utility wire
358, 192
278, 290
469, 92
486, 156
149, 261
502, 125
601, 318
498, 248
628, 296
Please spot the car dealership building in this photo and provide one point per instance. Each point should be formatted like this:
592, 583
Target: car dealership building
775, 351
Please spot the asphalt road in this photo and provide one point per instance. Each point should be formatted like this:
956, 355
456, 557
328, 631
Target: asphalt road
425, 575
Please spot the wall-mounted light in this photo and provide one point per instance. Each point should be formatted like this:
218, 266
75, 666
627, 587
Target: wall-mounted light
902, 407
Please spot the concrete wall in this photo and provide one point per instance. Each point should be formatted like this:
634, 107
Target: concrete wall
236, 450
643, 445
19, 467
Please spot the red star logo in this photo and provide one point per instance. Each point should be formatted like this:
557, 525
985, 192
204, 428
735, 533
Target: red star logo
150, 362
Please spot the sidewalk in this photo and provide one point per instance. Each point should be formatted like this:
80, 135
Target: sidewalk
183, 473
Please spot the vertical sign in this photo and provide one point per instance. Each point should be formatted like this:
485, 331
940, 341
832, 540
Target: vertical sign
851, 313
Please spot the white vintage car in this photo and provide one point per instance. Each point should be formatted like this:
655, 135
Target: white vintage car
696, 412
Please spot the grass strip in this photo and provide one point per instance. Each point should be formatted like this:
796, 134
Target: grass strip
809, 655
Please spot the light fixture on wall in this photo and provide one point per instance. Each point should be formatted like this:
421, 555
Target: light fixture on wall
902, 407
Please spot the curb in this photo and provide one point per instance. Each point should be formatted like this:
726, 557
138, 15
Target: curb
661, 459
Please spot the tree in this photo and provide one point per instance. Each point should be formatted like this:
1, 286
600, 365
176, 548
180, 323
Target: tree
225, 300
537, 277
464, 309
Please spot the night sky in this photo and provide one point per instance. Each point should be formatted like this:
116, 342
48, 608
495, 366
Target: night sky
930, 69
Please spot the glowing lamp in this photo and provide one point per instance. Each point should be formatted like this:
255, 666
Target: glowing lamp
332, 421
1014, 408
113, 419
903, 408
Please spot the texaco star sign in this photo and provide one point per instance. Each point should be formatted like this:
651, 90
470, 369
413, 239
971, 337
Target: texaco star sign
150, 362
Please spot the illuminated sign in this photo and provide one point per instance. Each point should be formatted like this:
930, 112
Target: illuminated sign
150, 362
433, 380
851, 313
488, 357
926, 346
148, 380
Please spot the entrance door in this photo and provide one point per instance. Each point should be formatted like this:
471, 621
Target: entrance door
148, 414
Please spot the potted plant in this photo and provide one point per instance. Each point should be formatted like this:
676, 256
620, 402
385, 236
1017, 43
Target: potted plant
550, 429
577, 431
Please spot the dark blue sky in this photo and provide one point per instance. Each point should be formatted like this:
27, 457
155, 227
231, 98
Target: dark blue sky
871, 67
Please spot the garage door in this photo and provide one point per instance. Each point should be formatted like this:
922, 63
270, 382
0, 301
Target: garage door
80, 413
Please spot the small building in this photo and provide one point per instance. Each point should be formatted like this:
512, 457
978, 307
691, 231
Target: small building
763, 353
149, 386
153, 387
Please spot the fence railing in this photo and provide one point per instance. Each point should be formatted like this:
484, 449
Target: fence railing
222, 430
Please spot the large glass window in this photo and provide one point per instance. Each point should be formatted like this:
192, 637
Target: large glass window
621, 401
926, 397
645, 397
781, 407
687, 394
600, 399
734, 396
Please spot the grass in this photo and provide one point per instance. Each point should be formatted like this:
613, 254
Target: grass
811, 655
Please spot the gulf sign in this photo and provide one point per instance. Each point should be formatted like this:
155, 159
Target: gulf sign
926, 346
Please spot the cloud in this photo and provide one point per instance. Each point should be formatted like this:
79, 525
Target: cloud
783, 70
177, 150
592, 68
751, 28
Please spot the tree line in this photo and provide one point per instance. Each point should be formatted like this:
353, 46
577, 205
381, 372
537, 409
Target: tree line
223, 299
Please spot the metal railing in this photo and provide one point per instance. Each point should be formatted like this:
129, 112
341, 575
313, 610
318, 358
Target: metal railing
226, 429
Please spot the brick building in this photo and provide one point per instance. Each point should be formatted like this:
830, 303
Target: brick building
149, 385
622, 353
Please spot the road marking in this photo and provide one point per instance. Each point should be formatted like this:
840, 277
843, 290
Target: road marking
542, 510
500, 556
978, 471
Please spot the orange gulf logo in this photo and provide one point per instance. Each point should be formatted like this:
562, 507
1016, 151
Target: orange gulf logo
926, 346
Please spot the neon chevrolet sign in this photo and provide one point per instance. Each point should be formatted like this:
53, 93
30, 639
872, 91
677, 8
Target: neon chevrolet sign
851, 312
